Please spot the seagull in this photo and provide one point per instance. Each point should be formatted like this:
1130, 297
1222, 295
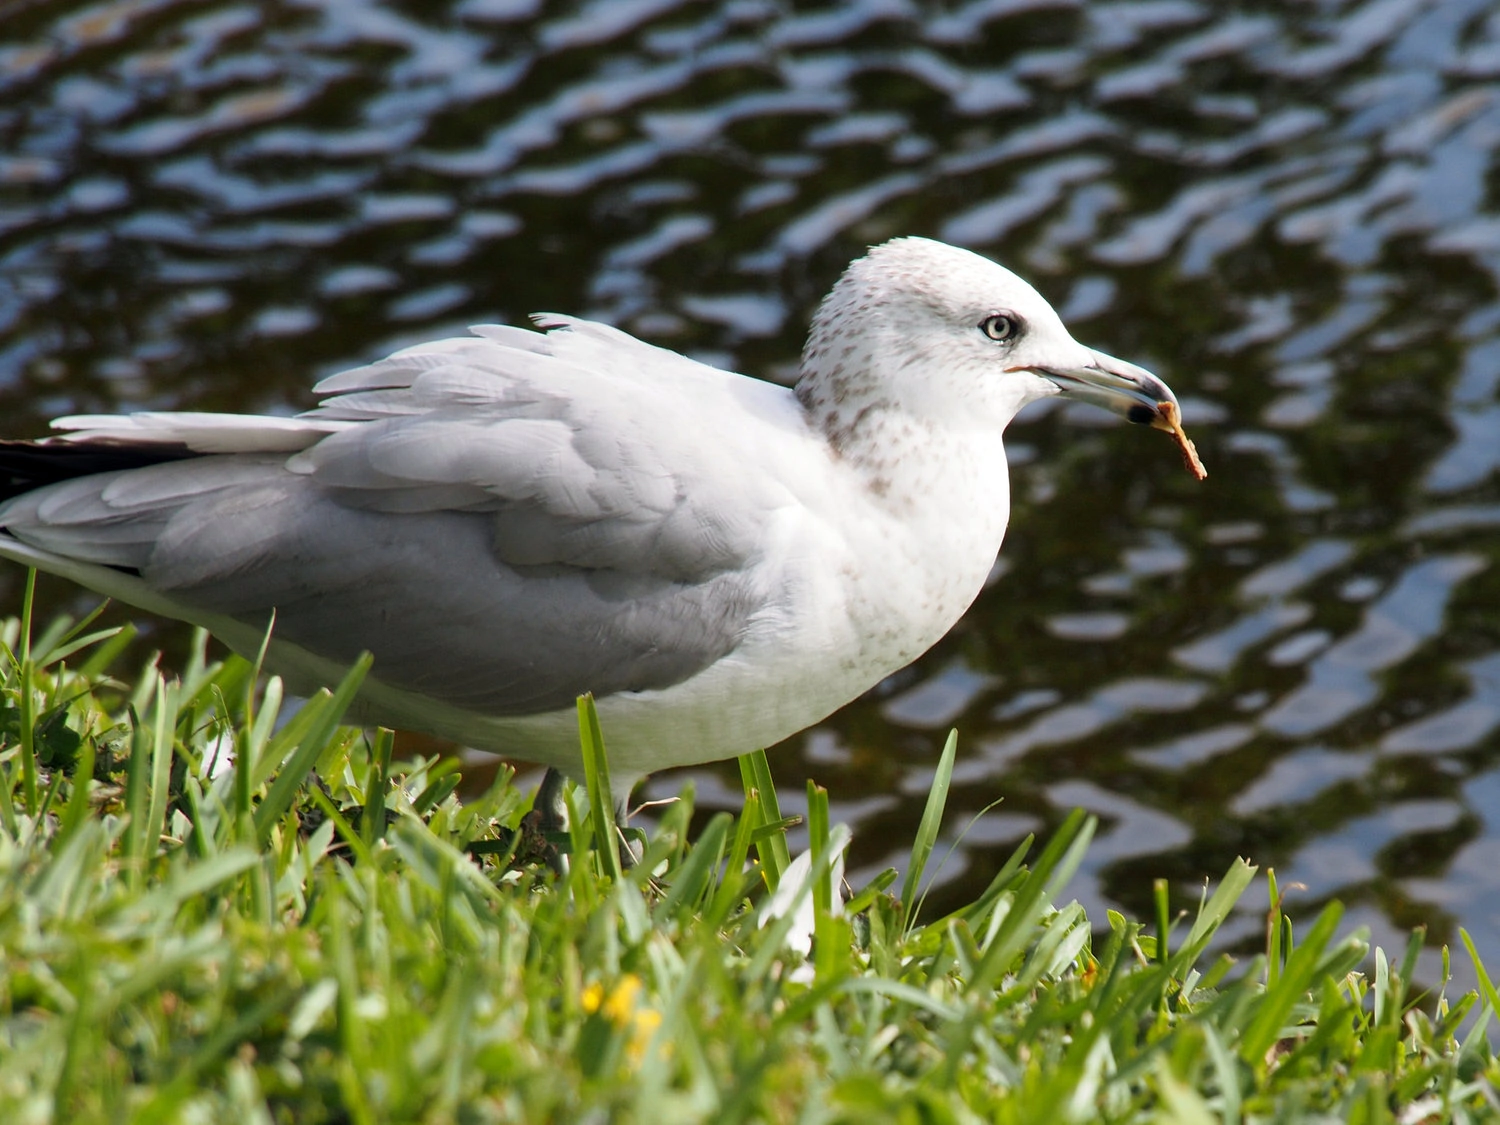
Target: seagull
511, 519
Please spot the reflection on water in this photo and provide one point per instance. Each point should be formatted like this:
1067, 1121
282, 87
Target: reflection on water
1291, 212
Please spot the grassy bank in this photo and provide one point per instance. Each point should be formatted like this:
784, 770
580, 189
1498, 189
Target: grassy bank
206, 918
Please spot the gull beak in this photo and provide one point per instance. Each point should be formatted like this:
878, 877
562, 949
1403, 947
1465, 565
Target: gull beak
1123, 388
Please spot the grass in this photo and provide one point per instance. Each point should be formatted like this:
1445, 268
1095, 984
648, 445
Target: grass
207, 916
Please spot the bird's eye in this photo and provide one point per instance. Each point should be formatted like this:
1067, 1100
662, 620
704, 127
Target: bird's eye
998, 326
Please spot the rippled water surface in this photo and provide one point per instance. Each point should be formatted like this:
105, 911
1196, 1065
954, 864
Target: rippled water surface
1290, 210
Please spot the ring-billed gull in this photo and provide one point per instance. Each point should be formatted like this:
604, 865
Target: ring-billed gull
511, 519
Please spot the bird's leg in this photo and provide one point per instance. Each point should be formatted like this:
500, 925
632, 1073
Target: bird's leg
549, 803
549, 819
545, 828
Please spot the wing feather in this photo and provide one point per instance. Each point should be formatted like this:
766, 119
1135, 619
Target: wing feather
505, 520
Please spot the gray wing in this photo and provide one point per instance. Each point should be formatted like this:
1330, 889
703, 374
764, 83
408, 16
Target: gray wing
588, 447
504, 522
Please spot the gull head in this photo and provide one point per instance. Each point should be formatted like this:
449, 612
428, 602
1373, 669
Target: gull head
933, 334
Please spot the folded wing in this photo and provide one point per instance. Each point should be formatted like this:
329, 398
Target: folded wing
505, 520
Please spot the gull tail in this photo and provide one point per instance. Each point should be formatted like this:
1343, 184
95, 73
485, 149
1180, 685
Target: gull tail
27, 465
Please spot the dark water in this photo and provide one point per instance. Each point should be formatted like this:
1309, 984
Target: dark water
1290, 210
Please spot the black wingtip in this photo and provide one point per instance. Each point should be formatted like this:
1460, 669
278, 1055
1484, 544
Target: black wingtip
28, 465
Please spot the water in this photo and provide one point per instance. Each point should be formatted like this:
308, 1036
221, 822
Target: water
1290, 210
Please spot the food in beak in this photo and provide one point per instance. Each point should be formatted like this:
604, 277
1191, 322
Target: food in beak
1190, 459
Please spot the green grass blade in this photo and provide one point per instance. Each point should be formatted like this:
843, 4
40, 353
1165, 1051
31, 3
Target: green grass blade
601, 796
872, 890
27, 702
105, 654
76, 811
927, 830
817, 830
1161, 898
70, 644
137, 770
377, 779
905, 993
1055, 866
691, 881
1211, 914
163, 732
771, 805
1226, 1071
1290, 987
285, 741
28, 603
255, 743
755, 774
1408, 970
305, 972
1486, 986
1009, 871
1274, 954
189, 882
329, 709
733, 885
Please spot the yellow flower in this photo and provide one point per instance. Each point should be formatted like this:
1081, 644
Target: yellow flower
592, 995
621, 1007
